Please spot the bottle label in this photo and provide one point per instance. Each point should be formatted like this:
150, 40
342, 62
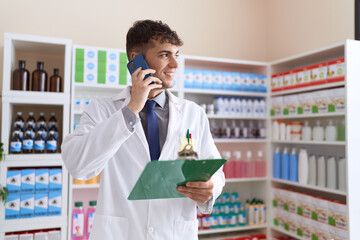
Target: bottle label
232, 220
28, 144
90, 223
31, 124
41, 124
222, 220
214, 221
39, 145
78, 225
205, 222
51, 145
242, 218
15, 147
19, 124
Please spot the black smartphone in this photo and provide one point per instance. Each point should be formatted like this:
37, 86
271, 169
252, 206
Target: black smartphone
138, 61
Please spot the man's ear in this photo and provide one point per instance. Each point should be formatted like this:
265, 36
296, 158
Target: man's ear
133, 55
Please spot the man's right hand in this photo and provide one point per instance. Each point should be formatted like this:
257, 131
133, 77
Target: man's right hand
141, 88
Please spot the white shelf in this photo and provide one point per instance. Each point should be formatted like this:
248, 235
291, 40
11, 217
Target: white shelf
224, 92
223, 60
309, 88
312, 115
286, 233
235, 140
231, 229
245, 180
336, 143
32, 97
36, 223
104, 87
32, 160
235, 117
321, 189
85, 186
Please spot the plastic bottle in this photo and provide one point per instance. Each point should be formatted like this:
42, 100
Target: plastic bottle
288, 131
238, 106
262, 130
312, 170
276, 130
260, 165
39, 78
262, 108
15, 143
228, 166
238, 165
250, 107
205, 221
235, 130
294, 166
282, 130
250, 166
321, 172
285, 165
277, 164
90, 218
232, 104
41, 122
52, 121
210, 109
19, 121
77, 222
226, 106
51, 143
39, 143
219, 105
225, 130
303, 166
342, 174
28, 142
244, 106
55, 82
318, 132
330, 132
242, 217
256, 107
244, 131
21, 78
341, 131
331, 173
306, 132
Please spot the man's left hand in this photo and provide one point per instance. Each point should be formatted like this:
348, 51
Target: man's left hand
200, 192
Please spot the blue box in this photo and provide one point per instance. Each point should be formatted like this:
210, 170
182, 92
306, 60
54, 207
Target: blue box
236, 84
13, 181
207, 79
41, 180
188, 78
12, 207
27, 205
227, 80
27, 181
217, 80
254, 82
245, 82
197, 79
262, 83
54, 205
55, 179
41, 204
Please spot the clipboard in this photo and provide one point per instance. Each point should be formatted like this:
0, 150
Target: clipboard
160, 179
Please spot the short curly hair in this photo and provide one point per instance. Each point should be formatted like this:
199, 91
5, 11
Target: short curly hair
140, 34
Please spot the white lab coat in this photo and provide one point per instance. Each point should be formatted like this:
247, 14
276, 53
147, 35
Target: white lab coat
103, 143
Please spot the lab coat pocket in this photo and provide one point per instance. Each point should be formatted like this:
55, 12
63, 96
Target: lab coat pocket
110, 228
185, 230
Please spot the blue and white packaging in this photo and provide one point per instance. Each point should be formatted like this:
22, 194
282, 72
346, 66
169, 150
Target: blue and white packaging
236, 83
245, 82
90, 66
207, 79
262, 83
12, 207
27, 181
188, 78
41, 204
254, 82
27, 205
217, 80
55, 179
197, 79
42, 180
13, 181
54, 204
227, 80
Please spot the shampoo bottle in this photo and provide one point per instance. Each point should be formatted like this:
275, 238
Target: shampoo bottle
321, 172
277, 164
330, 132
318, 132
331, 173
306, 132
303, 166
294, 164
285, 165
312, 170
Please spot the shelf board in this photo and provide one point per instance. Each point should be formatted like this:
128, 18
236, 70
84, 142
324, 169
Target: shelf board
235, 140
85, 86
85, 186
321, 189
236, 117
191, 58
286, 233
309, 88
245, 180
336, 143
32, 160
224, 92
313, 115
34, 223
32, 97
231, 229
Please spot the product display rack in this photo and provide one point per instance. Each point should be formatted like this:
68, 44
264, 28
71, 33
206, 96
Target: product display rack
56, 53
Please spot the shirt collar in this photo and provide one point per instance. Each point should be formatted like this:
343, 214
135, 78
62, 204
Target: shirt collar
160, 99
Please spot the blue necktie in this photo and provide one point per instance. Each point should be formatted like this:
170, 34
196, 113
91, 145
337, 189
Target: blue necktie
152, 130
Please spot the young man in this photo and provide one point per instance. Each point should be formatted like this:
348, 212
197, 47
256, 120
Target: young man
115, 137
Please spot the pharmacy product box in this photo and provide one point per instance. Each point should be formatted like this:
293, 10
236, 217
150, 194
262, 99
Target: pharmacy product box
26, 236
12, 237
289, 80
302, 77
293, 222
227, 80
338, 233
245, 82
337, 214
337, 100
262, 83
188, 78
305, 103
254, 83
207, 79
41, 204
13, 181
276, 82
12, 207
276, 198
41, 236
290, 201
236, 83
276, 106
41, 180
27, 181
217, 80
290, 105
305, 207
320, 210
27, 204
197, 79
54, 235
112, 68
306, 228
124, 75
54, 204
321, 231
321, 101
318, 73
55, 179
336, 70
90, 65
286, 216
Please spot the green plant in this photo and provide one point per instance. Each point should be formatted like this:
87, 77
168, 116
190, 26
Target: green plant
3, 194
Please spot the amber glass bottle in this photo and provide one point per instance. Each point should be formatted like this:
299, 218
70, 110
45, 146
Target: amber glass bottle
21, 78
55, 82
39, 78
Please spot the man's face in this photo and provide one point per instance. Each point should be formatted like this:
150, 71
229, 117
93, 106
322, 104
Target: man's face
162, 58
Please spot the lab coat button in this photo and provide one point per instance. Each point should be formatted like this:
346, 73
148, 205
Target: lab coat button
151, 230
131, 123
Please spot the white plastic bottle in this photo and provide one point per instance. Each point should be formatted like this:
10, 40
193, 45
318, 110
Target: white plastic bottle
256, 107
244, 106
318, 132
342, 174
282, 130
250, 107
226, 109
216, 103
321, 172
288, 131
330, 132
238, 106
331, 173
303, 166
232, 106
262, 107
306, 132
312, 170
275, 130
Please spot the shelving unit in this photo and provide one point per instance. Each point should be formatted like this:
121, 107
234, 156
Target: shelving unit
326, 143
56, 53
314, 115
232, 229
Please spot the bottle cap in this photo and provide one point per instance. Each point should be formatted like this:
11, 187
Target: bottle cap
293, 151
237, 154
21, 64
19, 113
78, 204
248, 154
56, 71
31, 114
40, 65
52, 114
92, 203
41, 114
